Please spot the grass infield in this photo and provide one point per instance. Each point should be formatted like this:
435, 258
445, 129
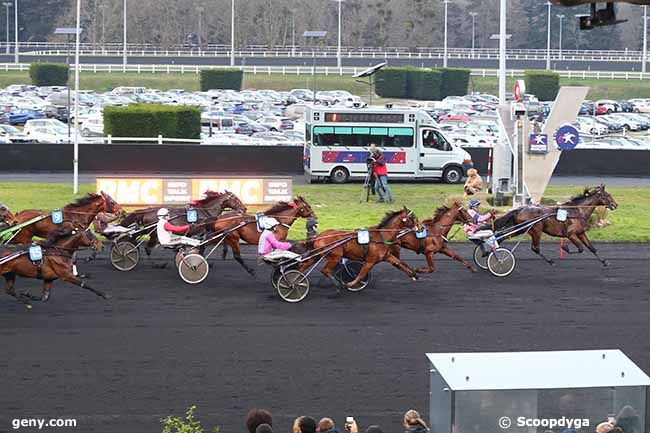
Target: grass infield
337, 206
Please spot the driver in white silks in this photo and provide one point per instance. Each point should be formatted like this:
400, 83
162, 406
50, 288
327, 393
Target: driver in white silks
269, 246
169, 234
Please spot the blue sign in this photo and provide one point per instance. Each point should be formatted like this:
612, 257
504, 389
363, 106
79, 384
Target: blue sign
57, 217
567, 137
538, 143
192, 216
35, 253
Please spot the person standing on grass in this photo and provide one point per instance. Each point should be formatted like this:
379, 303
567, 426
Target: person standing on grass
380, 171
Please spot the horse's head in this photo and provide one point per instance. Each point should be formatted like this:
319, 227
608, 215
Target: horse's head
72, 237
401, 219
602, 197
302, 207
111, 206
233, 202
6, 216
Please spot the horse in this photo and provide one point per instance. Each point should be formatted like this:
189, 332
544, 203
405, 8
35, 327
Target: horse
207, 209
579, 209
78, 214
57, 262
285, 212
379, 249
7, 219
436, 239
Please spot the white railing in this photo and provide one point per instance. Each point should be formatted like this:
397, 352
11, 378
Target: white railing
311, 70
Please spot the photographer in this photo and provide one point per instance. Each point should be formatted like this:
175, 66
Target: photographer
380, 173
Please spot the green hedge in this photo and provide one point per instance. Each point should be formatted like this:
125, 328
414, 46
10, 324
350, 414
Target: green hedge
221, 79
392, 82
49, 74
425, 84
455, 82
543, 84
151, 120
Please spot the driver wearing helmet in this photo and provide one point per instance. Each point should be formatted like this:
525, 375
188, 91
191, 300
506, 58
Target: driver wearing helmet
169, 234
472, 229
269, 246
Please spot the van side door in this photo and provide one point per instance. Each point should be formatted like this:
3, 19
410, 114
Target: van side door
435, 151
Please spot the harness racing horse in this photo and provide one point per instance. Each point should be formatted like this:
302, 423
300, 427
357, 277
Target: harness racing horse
579, 210
207, 209
436, 240
382, 239
7, 219
57, 262
285, 212
78, 214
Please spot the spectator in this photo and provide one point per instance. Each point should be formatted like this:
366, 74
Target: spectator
326, 425
413, 423
604, 427
380, 171
306, 424
264, 428
474, 183
628, 420
257, 417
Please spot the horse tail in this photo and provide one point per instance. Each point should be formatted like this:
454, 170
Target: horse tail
507, 220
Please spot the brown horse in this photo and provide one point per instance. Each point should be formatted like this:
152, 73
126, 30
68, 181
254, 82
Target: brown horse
7, 219
579, 210
382, 238
285, 212
208, 209
78, 214
436, 240
56, 264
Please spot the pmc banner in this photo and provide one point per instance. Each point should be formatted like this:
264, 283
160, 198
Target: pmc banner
163, 191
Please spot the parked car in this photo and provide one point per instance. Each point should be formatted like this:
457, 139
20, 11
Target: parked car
20, 117
49, 134
13, 134
93, 127
276, 123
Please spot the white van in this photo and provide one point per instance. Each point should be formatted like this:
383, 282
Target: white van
337, 142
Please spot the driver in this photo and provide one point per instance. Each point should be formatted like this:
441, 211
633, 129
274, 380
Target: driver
169, 234
472, 229
102, 225
269, 246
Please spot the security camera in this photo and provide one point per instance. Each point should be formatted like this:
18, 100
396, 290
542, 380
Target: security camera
518, 110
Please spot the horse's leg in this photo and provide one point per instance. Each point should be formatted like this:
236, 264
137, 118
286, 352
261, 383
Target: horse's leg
47, 288
224, 251
451, 253
332, 261
69, 278
10, 279
365, 269
75, 271
536, 236
431, 265
587, 242
236, 252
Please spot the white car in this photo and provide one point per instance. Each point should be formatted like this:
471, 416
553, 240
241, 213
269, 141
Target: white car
13, 134
93, 127
49, 134
465, 138
641, 105
32, 124
588, 125
628, 123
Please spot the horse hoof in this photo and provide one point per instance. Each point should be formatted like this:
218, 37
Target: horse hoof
551, 262
28, 306
605, 263
473, 269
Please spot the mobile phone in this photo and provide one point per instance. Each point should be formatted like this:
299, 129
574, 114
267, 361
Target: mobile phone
348, 422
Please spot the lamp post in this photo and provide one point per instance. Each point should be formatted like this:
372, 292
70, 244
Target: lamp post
338, 49
314, 35
16, 51
232, 33
473, 15
200, 10
444, 61
124, 54
103, 9
502, 52
76, 100
293, 33
7, 5
645, 39
561, 17
548, 37
67, 31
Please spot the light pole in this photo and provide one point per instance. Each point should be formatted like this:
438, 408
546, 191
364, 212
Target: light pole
645, 39
7, 5
561, 17
444, 61
502, 52
548, 38
293, 33
16, 52
76, 101
124, 53
338, 49
200, 10
103, 8
232, 33
473, 15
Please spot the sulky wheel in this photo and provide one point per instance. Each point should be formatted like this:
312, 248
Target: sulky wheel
480, 258
193, 268
501, 262
125, 255
293, 286
347, 271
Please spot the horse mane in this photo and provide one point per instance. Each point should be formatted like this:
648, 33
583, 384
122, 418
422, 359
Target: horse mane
83, 201
277, 207
209, 196
576, 198
387, 218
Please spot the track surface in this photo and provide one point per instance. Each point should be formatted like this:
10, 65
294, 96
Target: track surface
159, 346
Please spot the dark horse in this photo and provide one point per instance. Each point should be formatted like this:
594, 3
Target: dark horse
436, 240
7, 219
285, 212
579, 209
78, 214
208, 209
382, 239
56, 264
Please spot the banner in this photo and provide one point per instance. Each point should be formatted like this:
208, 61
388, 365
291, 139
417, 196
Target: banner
179, 191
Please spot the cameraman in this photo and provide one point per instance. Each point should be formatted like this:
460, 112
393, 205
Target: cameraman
380, 172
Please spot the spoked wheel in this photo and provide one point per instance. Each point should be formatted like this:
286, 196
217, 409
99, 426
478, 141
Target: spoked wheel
348, 271
125, 255
480, 259
293, 286
501, 262
193, 268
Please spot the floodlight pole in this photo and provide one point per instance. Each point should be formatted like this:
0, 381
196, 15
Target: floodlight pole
338, 49
561, 17
502, 52
293, 33
444, 60
7, 6
76, 100
473, 15
232, 33
124, 54
16, 51
548, 37
645, 39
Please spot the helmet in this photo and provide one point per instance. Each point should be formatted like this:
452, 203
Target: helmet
474, 203
163, 212
269, 223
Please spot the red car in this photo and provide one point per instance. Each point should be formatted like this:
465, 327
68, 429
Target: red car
454, 117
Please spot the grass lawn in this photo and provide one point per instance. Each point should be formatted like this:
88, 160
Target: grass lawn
339, 207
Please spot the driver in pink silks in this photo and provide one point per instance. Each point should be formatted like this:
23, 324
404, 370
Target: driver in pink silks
269, 246
472, 229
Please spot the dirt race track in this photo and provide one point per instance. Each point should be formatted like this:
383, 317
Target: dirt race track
159, 345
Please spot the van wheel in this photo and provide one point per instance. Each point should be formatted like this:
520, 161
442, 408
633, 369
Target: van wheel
339, 175
452, 175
